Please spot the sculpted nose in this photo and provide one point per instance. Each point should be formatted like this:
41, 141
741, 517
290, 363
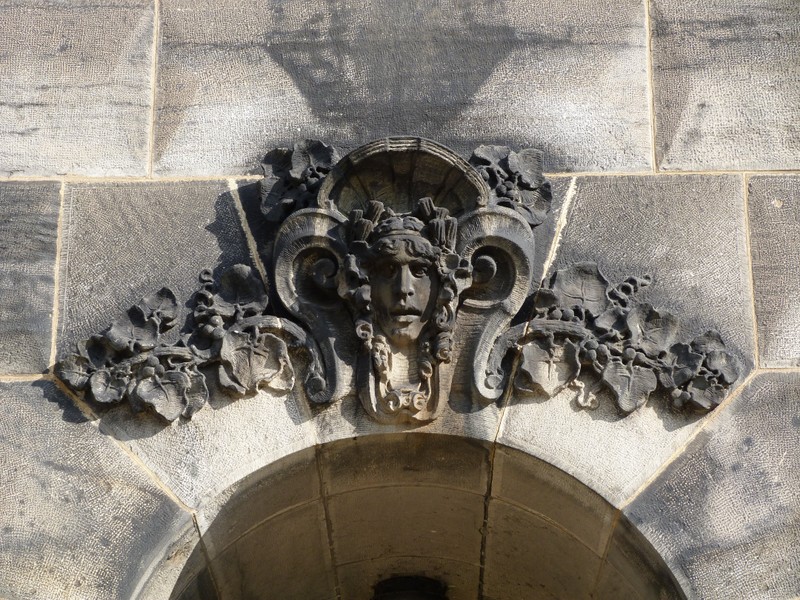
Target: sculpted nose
405, 283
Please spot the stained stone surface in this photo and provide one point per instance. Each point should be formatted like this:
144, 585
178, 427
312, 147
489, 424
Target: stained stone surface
546, 562
78, 518
569, 79
122, 241
28, 231
724, 514
774, 207
726, 75
75, 87
699, 277
242, 571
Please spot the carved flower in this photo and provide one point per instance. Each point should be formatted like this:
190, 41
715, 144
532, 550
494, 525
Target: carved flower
108, 386
173, 393
652, 332
630, 383
580, 285
547, 368
240, 294
250, 361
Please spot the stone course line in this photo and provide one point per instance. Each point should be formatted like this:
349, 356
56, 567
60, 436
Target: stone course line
486, 500
56, 278
204, 550
648, 29
251, 241
751, 278
682, 448
151, 142
604, 558
94, 419
560, 224
323, 492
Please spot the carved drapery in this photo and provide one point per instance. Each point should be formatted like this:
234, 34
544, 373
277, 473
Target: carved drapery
394, 274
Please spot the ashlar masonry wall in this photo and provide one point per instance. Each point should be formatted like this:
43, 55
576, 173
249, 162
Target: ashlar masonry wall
130, 136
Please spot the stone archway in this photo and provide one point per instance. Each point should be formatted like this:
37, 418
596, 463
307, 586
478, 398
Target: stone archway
486, 520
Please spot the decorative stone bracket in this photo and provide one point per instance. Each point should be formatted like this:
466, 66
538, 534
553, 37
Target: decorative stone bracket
398, 270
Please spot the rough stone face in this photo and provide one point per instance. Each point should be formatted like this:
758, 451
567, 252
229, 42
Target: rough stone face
699, 276
77, 517
76, 87
724, 514
774, 207
570, 80
124, 241
725, 75
28, 231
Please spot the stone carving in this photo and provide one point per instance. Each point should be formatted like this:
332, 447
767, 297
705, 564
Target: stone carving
394, 275
582, 323
229, 329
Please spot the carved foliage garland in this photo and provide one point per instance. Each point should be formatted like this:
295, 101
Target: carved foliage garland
393, 275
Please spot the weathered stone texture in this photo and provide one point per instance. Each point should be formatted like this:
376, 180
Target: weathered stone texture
726, 77
28, 232
701, 277
724, 515
569, 79
123, 241
78, 519
75, 87
774, 207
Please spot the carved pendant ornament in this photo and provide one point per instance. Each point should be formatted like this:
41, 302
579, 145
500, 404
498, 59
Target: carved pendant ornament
394, 274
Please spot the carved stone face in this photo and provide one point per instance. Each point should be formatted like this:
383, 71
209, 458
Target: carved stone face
403, 289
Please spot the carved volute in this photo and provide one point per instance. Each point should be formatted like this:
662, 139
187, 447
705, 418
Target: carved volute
398, 269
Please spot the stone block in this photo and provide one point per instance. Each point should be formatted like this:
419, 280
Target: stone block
774, 208
724, 514
76, 87
527, 557
78, 518
403, 521
199, 459
281, 486
286, 557
122, 241
571, 79
543, 489
28, 231
400, 459
687, 232
725, 84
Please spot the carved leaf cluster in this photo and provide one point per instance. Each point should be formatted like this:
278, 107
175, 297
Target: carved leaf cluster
584, 324
516, 180
229, 329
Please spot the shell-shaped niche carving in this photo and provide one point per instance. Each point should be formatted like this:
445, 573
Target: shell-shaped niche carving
399, 171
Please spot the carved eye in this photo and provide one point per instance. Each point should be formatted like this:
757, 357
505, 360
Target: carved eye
419, 270
388, 270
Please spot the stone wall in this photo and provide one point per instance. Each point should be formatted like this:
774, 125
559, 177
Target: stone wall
130, 136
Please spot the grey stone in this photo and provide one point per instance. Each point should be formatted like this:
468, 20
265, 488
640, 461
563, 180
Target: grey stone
399, 459
528, 557
265, 562
725, 77
774, 208
76, 93
374, 523
636, 226
540, 488
78, 517
28, 231
724, 514
122, 241
568, 79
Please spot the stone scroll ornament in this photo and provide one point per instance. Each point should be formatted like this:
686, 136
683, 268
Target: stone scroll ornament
393, 275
